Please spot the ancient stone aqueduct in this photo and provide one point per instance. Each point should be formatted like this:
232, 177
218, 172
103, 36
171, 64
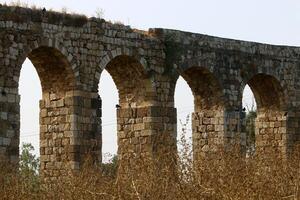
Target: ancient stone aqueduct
69, 53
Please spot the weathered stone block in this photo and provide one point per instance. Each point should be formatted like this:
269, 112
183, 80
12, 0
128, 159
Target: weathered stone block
145, 71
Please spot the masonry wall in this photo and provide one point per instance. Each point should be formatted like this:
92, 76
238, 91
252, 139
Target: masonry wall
71, 51
234, 64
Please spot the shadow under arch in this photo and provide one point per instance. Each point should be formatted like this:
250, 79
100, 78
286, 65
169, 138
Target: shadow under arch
136, 99
207, 90
271, 121
54, 70
268, 92
132, 81
57, 147
208, 117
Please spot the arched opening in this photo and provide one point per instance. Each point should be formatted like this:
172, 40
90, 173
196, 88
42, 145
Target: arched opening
135, 95
109, 94
131, 81
184, 104
54, 71
249, 116
208, 116
55, 113
30, 93
270, 123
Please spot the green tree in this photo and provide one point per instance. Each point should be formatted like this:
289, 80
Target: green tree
110, 168
29, 166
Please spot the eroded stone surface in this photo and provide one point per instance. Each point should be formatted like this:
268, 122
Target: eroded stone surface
70, 52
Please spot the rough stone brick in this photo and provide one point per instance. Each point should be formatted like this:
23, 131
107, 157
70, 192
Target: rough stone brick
145, 67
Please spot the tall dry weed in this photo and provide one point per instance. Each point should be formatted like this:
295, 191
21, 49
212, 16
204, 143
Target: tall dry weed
225, 176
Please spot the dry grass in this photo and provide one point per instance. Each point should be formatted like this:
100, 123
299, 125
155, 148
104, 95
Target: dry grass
170, 177
224, 177
18, 11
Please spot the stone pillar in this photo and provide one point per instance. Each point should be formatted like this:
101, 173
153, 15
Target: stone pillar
145, 132
9, 125
292, 136
271, 133
214, 132
208, 132
70, 130
234, 135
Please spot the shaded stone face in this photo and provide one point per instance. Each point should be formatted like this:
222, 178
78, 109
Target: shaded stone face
70, 52
271, 117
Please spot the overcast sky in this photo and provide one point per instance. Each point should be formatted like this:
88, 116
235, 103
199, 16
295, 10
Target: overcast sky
266, 21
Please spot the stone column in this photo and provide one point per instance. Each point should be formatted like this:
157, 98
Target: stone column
145, 133
292, 137
271, 133
9, 125
70, 132
234, 135
208, 132
216, 132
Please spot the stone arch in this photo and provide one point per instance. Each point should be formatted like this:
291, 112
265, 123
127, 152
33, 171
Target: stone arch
208, 116
48, 55
122, 51
209, 72
268, 92
55, 69
266, 71
207, 90
131, 78
111, 55
136, 98
271, 121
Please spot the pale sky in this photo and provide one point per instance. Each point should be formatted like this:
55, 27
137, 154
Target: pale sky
267, 21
